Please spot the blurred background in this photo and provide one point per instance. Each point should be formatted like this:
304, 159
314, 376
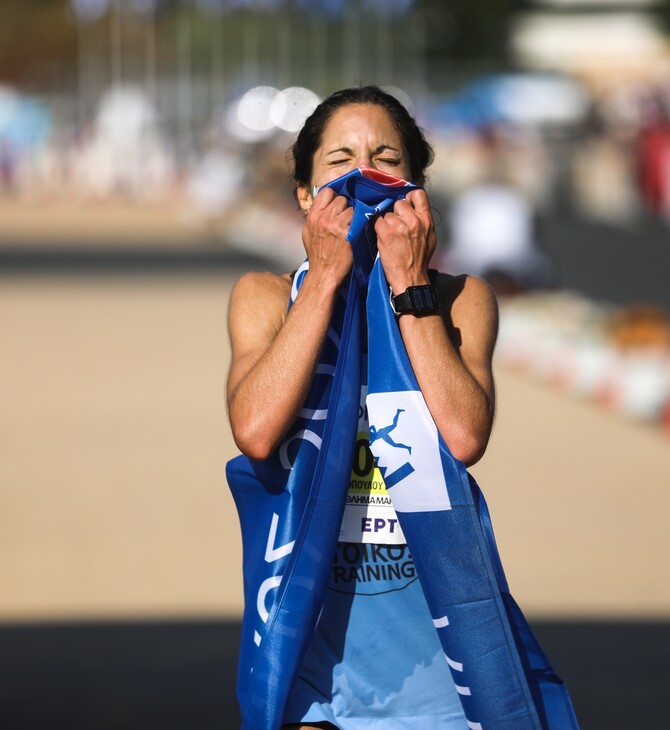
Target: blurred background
143, 168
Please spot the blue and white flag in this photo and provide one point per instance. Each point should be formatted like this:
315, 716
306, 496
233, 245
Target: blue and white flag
291, 506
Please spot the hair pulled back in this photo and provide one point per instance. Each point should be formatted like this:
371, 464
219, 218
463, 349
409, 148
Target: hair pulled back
419, 151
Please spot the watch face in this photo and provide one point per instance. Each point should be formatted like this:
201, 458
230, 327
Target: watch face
422, 299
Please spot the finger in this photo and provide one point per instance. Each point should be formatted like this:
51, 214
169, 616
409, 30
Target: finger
412, 214
404, 209
419, 200
328, 199
323, 198
383, 225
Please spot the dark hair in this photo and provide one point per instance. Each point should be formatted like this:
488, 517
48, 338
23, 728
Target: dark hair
419, 151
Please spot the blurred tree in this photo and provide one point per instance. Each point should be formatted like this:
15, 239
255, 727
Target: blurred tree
461, 38
35, 35
467, 30
662, 12
38, 38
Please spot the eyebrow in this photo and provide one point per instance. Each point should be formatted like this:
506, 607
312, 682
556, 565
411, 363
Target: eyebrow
376, 151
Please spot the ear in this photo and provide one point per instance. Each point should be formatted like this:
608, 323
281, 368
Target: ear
305, 199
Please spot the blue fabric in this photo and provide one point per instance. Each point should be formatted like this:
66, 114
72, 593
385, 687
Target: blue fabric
368, 664
505, 680
290, 508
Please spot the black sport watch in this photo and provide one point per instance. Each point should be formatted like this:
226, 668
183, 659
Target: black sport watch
416, 300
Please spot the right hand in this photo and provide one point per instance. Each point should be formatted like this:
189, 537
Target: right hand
324, 235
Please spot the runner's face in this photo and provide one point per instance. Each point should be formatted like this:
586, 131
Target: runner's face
356, 135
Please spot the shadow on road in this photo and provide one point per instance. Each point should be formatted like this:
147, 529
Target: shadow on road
181, 675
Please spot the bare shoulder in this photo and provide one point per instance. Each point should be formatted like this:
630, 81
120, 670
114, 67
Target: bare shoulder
260, 294
465, 293
257, 311
264, 284
465, 289
470, 309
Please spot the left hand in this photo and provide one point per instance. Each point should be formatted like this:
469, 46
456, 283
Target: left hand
406, 240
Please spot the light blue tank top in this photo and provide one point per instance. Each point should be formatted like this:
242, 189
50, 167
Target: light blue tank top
375, 661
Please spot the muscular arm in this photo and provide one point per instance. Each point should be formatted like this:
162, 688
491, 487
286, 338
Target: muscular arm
270, 375
274, 354
454, 372
450, 352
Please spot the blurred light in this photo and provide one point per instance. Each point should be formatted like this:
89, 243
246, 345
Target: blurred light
517, 98
401, 95
568, 41
24, 122
291, 107
541, 99
253, 109
238, 131
8, 104
125, 113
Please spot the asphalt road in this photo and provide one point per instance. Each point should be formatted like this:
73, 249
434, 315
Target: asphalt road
611, 264
180, 675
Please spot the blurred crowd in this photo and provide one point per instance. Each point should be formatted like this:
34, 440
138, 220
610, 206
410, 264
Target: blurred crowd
548, 139
509, 148
618, 358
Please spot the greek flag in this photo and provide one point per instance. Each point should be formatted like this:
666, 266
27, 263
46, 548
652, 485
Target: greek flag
290, 509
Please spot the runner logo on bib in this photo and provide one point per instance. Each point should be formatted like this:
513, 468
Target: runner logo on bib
369, 516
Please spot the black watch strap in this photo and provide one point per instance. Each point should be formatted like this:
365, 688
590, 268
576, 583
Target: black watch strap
416, 300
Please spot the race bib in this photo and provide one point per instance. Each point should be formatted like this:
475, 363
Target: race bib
369, 516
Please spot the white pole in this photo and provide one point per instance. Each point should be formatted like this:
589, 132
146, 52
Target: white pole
319, 56
250, 42
116, 19
385, 70
351, 46
184, 88
150, 57
217, 62
284, 45
82, 86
